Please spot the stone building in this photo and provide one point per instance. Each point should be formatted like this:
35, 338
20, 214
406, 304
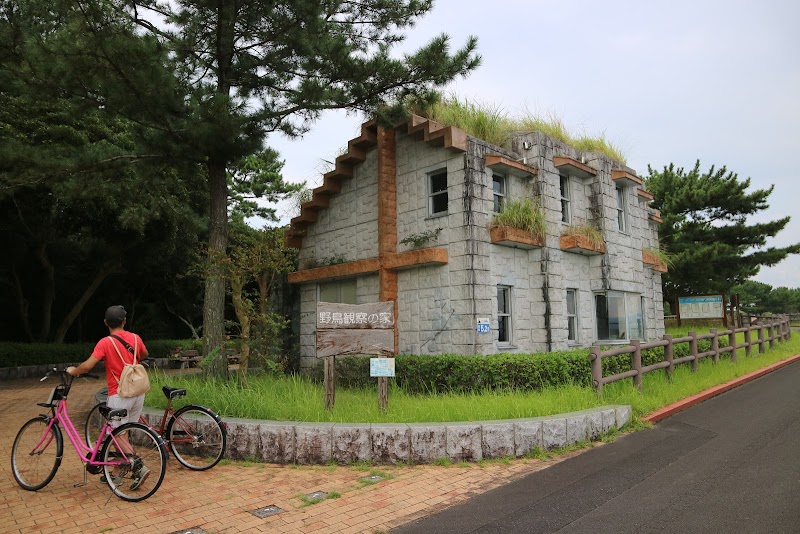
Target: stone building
407, 215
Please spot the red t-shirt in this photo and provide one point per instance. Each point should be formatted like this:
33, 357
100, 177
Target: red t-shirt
104, 350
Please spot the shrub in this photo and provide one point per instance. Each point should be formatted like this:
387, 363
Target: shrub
22, 354
419, 374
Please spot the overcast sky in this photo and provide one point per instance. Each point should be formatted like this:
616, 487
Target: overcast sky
675, 81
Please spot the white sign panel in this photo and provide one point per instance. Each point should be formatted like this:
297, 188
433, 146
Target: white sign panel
483, 325
707, 307
381, 367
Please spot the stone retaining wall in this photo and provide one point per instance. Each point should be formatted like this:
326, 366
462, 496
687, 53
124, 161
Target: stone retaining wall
421, 443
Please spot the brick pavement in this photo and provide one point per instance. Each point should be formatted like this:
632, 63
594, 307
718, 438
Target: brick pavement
222, 499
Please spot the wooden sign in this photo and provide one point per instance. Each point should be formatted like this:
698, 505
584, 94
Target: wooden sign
354, 329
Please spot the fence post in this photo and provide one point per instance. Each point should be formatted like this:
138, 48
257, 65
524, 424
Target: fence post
636, 363
747, 349
597, 368
668, 356
788, 327
693, 350
714, 345
772, 332
761, 348
732, 343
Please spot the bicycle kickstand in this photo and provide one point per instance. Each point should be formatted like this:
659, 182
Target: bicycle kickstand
85, 478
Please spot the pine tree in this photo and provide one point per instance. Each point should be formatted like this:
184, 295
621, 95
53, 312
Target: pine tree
706, 229
241, 70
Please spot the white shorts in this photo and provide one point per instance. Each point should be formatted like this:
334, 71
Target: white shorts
134, 406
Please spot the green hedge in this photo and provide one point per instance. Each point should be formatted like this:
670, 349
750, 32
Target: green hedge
22, 354
453, 372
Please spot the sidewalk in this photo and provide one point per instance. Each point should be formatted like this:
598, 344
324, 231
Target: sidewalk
224, 498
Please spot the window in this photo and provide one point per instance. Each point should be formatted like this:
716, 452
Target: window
438, 193
498, 191
622, 218
572, 315
619, 315
342, 291
566, 210
504, 314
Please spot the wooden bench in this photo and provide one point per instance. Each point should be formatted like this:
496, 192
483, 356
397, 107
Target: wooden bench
188, 358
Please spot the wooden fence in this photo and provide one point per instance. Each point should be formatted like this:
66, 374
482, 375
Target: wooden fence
771, 332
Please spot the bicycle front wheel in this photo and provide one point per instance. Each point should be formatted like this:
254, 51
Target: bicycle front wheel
36, 453
140, 476
94, 424
197, 437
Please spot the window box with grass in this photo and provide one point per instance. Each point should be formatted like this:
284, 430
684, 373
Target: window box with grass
656, 259
583, 239
521, 224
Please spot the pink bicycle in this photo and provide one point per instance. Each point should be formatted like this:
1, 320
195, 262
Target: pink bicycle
132, 458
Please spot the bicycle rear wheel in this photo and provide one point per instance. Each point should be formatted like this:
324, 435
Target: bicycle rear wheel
94, 424
197, 437
139, 478
36, 453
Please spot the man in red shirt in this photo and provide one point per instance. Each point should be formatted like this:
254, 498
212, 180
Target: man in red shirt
115, 354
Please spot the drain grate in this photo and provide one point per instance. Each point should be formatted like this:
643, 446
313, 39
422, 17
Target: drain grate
193, 530
317, 495
267, 511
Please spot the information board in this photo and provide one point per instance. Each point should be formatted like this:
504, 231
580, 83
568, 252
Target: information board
702, 307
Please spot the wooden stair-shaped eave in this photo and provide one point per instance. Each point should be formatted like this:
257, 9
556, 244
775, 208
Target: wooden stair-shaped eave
436, 134
357, 148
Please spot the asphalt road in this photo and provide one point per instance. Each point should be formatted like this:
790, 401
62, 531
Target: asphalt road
730, 464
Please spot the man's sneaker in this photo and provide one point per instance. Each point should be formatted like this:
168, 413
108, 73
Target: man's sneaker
140, 476
116, 479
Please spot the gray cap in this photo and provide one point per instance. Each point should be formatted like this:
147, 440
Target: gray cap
115, 315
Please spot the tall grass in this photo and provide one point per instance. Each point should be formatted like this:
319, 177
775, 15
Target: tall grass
299, 399
525, 214
594, 235
490, 123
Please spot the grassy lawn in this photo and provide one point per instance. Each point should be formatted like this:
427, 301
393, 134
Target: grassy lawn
298, 399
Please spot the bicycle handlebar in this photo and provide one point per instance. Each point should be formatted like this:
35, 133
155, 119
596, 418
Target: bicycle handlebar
63, 372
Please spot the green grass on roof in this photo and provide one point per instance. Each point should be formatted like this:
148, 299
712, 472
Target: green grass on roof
493, 125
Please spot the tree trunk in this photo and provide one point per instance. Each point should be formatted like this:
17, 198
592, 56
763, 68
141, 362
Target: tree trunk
23, 306
242, 315
107, 268
214, 300
48, 290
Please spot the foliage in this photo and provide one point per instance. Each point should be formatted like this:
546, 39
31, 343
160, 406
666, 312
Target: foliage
524, 214
22, 354
325, 261
706, 229
420, 239
441, 373
660, 254
257, 179
757, 298
594, 235
255, 266
491, 124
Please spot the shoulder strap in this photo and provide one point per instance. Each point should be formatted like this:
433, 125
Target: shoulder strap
120, 354
124, 344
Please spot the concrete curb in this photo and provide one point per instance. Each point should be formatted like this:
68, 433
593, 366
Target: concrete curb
284, 442
681, 405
